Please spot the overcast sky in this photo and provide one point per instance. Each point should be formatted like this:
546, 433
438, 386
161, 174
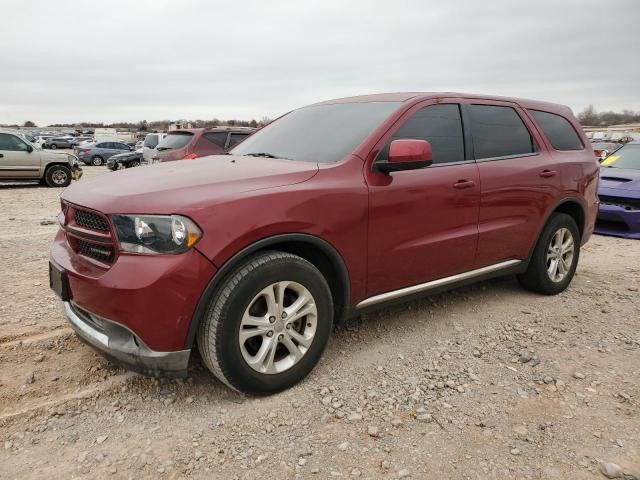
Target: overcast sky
110, 60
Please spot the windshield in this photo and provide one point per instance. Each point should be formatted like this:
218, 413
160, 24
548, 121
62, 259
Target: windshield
151, 141
627, 157
174, 140
321, 133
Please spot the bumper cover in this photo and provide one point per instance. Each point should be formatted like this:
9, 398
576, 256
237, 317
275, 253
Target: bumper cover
122, 347
618, 221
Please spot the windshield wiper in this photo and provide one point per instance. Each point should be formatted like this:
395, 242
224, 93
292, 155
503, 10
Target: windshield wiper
262, 154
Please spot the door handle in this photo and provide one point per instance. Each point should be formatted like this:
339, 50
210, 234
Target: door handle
462, 184
1, 155
547, 173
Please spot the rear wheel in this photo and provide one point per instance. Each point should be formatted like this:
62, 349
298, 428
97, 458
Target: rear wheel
135, 163
58, 176
97, 161
555, 257
53, 146
268, 324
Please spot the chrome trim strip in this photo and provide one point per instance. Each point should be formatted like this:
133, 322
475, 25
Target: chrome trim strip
90, 334
423, 287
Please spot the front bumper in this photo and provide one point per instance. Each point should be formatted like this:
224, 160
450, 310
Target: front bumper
618, 221
76, 172
123, 347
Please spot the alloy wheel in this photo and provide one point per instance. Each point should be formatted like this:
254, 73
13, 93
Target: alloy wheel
59, 177
560, 255
278, 327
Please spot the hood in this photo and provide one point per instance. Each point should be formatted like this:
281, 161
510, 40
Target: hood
625, 180
185, 185
49, 156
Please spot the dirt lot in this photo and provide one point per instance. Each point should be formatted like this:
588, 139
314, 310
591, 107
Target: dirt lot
482, 382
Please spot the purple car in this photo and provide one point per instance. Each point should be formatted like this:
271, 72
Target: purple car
619, 193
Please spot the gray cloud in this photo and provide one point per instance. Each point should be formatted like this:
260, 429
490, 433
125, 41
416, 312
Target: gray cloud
118, 60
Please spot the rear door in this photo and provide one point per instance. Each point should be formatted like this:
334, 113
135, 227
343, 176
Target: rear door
211, 143
520, 180
423, 224
15, 159
236, 138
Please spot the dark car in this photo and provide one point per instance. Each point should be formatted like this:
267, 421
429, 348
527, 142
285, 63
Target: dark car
191, 143
125, 160
619, 193
58, 142
331, 210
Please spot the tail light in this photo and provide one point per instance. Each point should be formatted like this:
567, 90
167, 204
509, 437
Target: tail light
189, 156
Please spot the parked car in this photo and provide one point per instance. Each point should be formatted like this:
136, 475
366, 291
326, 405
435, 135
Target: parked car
331, 210
125, 160
20, 160
187, 144
58, 142
604, 149
619, 193
74, 142
98, 153
149, 145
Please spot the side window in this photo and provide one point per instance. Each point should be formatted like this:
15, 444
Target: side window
441, 126
558, 130
121, 146
236, 138
12, 143
219, 138
498, 132
151, 141
102, 145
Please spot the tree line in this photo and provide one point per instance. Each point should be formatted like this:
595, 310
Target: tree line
590, 117
155, 125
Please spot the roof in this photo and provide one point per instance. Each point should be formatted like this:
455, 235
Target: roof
418, 96
222, 128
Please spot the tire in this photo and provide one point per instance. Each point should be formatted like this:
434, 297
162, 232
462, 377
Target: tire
135, 163
53, 146
241, 292
58, 176
540, 276
97, 161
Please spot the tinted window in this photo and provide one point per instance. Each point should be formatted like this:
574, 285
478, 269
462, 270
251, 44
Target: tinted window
236, 138
121, 146
558, 130
627, 157
174, 140
103, 145
441, 126
219, 138
319, 133
498, 132
11, 143
151, 141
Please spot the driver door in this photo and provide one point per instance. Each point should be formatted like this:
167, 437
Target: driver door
423, 224
15, 159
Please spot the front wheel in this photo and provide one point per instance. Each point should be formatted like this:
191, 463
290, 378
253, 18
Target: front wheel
58, 176
555, 257
97, 161
53, 146
267, 324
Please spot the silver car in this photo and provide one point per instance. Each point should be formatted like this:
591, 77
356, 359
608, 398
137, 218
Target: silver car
98, 153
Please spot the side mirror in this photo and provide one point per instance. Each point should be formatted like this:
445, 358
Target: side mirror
406, 154
29, 148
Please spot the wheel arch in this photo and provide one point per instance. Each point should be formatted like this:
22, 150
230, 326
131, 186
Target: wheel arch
315, 250
570, 206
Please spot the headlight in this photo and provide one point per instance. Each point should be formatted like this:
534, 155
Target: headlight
155, 233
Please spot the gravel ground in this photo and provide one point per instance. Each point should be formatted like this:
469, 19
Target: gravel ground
487, 381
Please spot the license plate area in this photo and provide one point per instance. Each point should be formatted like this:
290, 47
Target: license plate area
58, 282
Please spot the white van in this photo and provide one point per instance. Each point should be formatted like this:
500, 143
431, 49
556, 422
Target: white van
149, 146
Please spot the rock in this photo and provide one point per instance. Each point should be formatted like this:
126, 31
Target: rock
515, 451
355, 472
8, 444
396, 421
385, 465
47, 222
547, 379
578, 375
611, 470
354, 417
525, 357
521, 432
101, 439
373, 431
302, 462
425, 418
31, 377
38, 358
404, 473
343, 446
82, 456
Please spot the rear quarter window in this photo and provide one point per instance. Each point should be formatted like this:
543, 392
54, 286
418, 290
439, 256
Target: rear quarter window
558, 130
498, 131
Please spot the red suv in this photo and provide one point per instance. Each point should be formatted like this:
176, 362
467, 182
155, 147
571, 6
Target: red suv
187, 144
331, 210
